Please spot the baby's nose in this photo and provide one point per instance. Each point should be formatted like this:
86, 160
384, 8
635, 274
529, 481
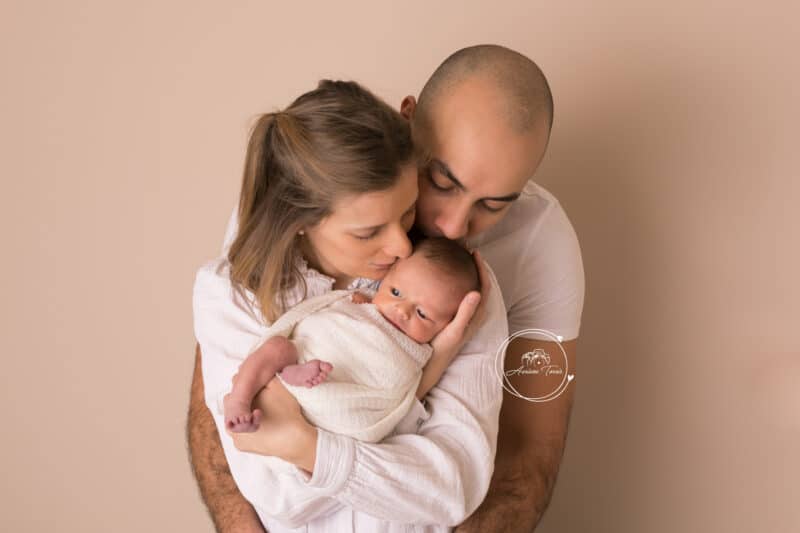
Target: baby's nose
403, 311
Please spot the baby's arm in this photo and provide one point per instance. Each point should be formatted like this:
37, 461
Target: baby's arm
277, 354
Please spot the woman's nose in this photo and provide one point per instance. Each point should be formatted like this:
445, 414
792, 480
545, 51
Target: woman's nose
398, 244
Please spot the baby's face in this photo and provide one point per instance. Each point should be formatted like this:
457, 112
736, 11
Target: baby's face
418, 298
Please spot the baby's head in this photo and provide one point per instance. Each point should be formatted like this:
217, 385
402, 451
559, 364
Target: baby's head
421, 294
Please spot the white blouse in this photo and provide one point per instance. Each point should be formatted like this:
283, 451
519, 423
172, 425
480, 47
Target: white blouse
430, 474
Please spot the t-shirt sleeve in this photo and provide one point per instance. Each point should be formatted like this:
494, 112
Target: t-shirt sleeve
549, 282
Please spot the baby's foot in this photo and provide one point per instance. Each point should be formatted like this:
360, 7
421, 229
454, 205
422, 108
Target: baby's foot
308, 374
239, 418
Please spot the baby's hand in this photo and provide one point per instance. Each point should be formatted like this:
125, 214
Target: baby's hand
360, 298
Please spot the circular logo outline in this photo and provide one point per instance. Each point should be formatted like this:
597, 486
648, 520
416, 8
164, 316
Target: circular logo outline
508, 387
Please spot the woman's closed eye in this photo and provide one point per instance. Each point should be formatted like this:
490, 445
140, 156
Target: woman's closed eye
368, 236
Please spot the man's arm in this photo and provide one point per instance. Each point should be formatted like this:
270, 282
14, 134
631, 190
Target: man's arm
226, 505
530, 446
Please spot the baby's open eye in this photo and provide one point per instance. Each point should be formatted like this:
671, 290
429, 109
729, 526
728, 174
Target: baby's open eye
421, 314
394, 292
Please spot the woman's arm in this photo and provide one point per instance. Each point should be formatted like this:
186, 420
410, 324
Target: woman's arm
227, 330
439, 475
436, 476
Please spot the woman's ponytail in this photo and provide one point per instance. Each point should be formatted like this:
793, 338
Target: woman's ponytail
255, 179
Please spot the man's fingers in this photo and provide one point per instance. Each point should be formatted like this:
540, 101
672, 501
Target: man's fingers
483, 274
486, 285
466, 310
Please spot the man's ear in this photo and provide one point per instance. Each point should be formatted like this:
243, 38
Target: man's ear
408, 107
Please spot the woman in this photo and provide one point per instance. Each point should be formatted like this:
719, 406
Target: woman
327, 199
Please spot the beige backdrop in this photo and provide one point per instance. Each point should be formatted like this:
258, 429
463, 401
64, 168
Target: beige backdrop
674, 152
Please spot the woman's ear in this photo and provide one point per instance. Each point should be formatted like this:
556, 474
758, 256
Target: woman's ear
408, 106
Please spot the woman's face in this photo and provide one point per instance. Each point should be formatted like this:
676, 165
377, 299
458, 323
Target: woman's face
366, 233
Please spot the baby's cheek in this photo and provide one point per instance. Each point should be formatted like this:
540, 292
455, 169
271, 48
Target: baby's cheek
430, 331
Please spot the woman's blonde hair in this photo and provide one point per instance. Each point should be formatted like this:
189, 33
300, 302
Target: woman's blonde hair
335, 140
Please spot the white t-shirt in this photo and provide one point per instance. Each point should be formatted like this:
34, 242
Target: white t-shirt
535, 255
434, 471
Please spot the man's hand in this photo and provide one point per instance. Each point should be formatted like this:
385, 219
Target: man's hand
469, 317
529, 447
226, 505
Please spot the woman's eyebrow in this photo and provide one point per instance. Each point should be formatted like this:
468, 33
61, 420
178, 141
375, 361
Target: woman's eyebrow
449, 175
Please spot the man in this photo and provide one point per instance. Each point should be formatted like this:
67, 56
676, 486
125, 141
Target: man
483, 121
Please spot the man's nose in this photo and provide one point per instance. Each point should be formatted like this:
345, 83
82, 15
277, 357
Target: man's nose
454, 223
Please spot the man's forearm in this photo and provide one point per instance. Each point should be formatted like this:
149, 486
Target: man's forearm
228, 508
520, 492
530, 446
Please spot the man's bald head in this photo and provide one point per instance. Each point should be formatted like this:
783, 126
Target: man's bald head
522, 88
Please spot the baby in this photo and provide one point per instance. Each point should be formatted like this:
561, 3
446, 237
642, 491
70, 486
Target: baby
379, 347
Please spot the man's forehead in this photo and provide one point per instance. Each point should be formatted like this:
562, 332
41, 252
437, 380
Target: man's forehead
471, 133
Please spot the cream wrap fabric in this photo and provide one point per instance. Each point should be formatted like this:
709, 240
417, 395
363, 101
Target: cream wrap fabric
376, 367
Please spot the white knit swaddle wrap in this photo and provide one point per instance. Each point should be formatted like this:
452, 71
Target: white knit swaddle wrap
376, 367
